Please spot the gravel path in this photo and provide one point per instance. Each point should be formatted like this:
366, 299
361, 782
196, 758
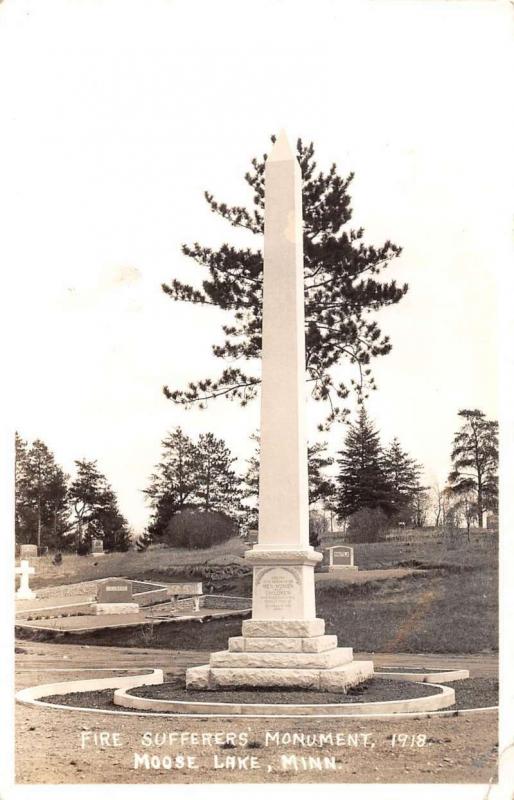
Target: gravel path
59, 747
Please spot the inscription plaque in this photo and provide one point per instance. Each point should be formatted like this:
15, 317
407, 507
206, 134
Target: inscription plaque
278, 592
342, 555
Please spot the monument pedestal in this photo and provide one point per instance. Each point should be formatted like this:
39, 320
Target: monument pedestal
284, 644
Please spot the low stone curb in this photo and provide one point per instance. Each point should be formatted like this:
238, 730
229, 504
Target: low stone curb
442, 699
449, 675
34, 696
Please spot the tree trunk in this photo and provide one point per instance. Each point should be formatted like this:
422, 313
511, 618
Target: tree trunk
39, 524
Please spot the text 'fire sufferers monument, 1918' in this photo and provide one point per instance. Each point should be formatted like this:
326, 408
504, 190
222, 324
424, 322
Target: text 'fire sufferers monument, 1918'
284, 643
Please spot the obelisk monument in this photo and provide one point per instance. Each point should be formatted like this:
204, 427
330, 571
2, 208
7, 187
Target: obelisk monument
283, 644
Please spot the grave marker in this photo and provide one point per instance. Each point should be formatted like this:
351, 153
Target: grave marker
28, 551
97, 547
114, 596
24, 591
340, 558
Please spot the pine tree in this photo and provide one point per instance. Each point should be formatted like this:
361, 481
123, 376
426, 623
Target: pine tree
112, 525
192, 474
475, 461
42, 507
402, 476
217, 487
362, 481
96, 509
172, 485
25, 515
321, 486
341, 289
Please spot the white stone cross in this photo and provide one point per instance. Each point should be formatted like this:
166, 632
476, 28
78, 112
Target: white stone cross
25, 592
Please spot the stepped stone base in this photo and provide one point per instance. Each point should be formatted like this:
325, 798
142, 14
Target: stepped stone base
281, 653
324, 660
337, 679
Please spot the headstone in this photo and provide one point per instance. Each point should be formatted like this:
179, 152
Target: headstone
28, 551
114, 590
114, 596
97, 547
24, 591
492, 521
284, 628
340, 558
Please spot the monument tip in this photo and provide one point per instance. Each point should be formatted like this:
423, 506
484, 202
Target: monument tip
281, 150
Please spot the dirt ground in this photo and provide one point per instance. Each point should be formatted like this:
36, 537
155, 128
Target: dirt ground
55, 746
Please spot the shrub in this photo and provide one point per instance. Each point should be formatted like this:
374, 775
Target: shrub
143, 542
83, 548
197, 529
367, 525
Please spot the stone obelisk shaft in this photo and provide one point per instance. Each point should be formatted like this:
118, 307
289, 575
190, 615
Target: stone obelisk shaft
283, 484
284, 643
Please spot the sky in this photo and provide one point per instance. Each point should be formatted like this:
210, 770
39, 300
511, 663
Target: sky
116, 116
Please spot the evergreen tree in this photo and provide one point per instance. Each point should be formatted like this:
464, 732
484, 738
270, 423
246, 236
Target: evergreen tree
96, 509
25, 514
111, 523
217, 487
402, 476
42, 507
321, 486
192, 475
172, 485
475, 461
341, 289
362, 481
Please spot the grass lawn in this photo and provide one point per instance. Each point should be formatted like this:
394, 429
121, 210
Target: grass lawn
448, 610
452, 607
159, 562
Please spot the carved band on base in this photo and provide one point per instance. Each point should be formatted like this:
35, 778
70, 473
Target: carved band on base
297, 628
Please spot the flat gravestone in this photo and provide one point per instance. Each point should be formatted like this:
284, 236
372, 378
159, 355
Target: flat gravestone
114, 596
340, 558
28, 551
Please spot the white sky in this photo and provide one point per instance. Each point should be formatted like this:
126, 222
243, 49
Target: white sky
115, 116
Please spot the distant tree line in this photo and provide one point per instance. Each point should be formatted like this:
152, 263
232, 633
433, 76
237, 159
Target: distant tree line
54, 511
196, 479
